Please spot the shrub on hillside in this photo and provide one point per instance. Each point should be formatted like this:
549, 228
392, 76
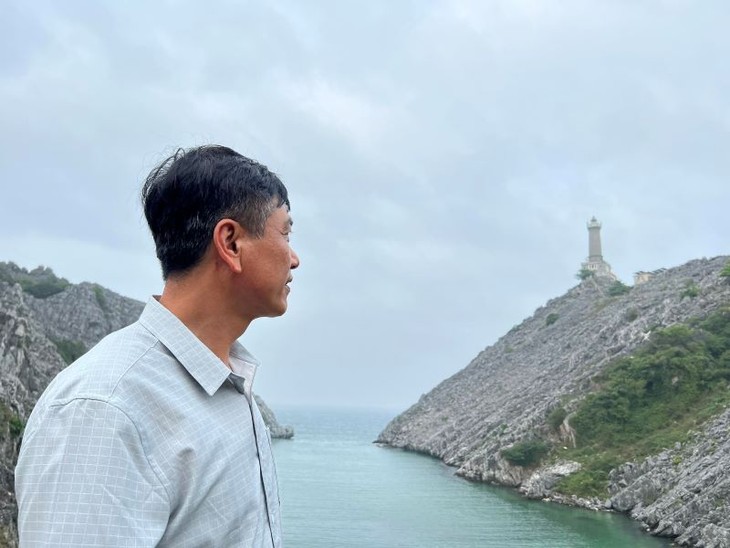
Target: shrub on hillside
526, 453
41, 289
690, 290
551, 318
101, 298
618, 288
70, 350
556, 417
11, 420
725, 272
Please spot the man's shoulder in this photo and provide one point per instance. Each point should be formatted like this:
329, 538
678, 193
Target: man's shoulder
98, 373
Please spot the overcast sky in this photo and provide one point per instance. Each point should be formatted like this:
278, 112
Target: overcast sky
442, 158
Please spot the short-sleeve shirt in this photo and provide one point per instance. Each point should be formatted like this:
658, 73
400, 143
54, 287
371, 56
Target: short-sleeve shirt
149, 440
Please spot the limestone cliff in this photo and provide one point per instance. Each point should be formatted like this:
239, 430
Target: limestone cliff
46, 323
551, 359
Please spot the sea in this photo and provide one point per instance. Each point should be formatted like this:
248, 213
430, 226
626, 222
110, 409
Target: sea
340, 490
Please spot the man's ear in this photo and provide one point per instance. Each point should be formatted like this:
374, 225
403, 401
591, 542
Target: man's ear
228, 238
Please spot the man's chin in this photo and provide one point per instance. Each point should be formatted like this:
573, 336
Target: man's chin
279, 311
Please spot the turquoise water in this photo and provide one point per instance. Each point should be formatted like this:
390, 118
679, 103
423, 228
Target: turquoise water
340, 490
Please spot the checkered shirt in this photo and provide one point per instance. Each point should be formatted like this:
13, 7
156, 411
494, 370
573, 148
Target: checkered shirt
149, 440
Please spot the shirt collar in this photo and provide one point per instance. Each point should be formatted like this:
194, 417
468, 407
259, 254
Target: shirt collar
204, 366
243, 367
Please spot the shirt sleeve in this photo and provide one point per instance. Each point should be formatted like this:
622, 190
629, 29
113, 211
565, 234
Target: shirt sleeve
83, 479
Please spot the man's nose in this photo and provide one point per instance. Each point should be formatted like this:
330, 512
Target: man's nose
294, 259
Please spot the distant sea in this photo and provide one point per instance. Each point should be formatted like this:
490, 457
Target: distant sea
339, 490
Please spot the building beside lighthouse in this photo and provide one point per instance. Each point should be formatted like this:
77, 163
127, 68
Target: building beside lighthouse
595, 262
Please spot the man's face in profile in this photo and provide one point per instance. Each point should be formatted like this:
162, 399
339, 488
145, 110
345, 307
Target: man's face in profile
267, 267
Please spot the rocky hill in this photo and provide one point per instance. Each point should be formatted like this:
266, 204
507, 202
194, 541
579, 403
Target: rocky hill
45, 324
506, 417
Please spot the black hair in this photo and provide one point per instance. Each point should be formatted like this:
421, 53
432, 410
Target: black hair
186, 195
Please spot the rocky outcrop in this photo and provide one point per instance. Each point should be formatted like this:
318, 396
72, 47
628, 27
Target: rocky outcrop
46, 323
83, 313
506, 393
683, 492
275, 429
540, 483
28, 362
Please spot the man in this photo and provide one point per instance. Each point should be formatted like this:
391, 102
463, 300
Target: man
153, 438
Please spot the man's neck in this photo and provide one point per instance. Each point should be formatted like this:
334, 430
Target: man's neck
199, 303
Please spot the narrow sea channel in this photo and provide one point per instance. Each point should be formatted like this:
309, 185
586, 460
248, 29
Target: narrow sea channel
339, 490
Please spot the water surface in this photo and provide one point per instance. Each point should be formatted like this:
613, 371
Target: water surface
340, 490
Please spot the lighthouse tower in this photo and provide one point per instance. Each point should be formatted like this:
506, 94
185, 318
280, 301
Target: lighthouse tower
595, 262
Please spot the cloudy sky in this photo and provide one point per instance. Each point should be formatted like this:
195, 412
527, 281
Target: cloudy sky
442, 158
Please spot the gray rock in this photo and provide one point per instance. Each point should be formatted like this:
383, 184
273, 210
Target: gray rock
540, 484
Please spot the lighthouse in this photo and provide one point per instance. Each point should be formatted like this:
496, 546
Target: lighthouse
595, 262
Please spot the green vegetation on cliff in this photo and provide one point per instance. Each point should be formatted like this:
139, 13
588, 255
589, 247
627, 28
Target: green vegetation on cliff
10, 423
526, 453
70, 350
40, 282
556, 417
725, 272
618, 288
651, 400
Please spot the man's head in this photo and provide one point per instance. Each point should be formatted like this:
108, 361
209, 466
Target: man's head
186, 196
